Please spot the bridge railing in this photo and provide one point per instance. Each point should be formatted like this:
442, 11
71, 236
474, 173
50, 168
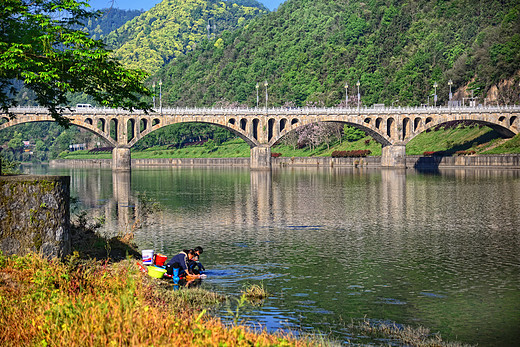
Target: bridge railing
318, 111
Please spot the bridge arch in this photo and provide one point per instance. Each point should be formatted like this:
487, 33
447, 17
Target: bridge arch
417, 122
101, 124
131, 128
78, 123
407, 127
113, 128
376, 135
231, 126
505, 127
390, 127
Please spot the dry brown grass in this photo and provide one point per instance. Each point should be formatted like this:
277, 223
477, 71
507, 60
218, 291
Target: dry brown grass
403, 334
94, 303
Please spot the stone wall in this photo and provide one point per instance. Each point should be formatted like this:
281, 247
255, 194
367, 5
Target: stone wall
35, 215
495, 161
492, 161
107, 163
192, 162
326, 162
104, 163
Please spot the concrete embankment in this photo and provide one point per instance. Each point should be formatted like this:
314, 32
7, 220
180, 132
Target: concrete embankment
107, 163
496, 161
499, 161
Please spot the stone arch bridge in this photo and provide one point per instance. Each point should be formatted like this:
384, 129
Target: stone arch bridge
262, 128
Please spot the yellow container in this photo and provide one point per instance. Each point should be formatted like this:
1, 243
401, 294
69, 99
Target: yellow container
156, 272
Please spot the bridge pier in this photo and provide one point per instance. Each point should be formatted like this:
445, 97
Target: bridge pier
394, 156
121, 159
260, 158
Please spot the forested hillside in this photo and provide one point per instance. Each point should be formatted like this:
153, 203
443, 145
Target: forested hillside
306, 51
110, 20
174, 27
309, 49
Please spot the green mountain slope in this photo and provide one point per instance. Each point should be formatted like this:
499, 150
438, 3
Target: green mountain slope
174, 27
308, 50
110, 20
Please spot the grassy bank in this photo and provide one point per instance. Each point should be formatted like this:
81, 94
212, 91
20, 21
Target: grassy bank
99, 297
78, 303
450, 139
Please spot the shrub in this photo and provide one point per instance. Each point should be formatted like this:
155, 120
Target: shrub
210, 145
470, 152
63, 154
432, 153
347, 154
276, 155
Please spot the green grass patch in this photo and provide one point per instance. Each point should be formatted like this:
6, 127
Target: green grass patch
480, 139
84, 154
324, 151
510, 146
452, 140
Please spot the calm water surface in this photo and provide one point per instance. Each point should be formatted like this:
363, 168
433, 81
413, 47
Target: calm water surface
440, 250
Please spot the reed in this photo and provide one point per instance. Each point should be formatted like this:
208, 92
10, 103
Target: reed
402, 334
255, 292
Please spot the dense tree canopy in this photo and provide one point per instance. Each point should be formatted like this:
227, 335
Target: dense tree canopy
110, 20
308, 49
41, 46
175, 27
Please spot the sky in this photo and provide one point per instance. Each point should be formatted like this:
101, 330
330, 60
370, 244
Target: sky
148, 4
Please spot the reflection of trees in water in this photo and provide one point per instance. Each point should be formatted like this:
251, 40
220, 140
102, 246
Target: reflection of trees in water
145, 214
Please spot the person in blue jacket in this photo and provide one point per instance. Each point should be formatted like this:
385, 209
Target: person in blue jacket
178, 265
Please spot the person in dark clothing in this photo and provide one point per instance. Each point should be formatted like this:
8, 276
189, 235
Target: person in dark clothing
178, 265
194, 265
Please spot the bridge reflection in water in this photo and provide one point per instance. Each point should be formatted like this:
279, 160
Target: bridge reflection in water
388, 194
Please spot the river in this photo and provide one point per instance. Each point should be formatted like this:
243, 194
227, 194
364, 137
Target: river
435, 249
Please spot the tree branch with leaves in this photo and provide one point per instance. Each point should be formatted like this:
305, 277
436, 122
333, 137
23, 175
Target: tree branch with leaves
42, 46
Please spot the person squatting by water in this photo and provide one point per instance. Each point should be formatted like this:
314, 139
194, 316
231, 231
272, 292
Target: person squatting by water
178, 265
193, 264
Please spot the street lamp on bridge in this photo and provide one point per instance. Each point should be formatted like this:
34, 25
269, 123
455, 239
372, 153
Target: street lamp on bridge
266, 96
160, 95
153, 85
450, 83
435, 85
346, 94
358, 94
257, 86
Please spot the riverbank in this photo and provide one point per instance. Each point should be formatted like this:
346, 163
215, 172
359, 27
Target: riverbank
78, 303
489, 161
98, 297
